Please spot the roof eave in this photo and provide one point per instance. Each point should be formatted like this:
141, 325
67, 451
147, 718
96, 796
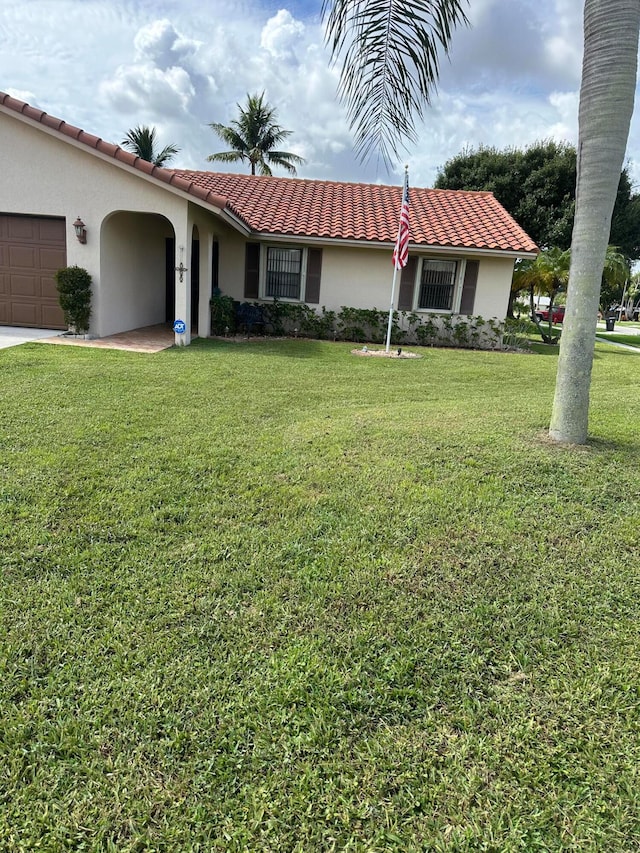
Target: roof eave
388, 246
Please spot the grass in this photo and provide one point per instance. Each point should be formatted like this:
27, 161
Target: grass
272, 597
615, 337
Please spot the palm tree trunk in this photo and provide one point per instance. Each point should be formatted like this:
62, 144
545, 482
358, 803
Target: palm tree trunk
606, 105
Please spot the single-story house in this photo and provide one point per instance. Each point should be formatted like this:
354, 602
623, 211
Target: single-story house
157, 241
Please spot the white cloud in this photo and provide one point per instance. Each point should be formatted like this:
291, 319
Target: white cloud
23, 95
281, 36
146, 90
178, 65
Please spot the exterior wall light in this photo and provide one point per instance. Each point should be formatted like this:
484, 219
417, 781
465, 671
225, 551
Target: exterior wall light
81, 231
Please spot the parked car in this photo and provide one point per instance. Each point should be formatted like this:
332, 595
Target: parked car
557, 315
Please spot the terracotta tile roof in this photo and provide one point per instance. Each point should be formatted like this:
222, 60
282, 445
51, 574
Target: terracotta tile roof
324, 209
327, 209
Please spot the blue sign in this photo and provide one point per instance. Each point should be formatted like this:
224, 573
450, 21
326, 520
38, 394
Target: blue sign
179, 327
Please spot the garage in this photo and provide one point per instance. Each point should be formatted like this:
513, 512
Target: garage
32, 250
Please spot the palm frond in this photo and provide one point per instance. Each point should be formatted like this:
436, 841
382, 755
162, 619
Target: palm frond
167, 153
285, 159
231, 136
228, 156
389, 52
142, 142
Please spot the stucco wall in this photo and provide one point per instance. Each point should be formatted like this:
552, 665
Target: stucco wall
230, 261
361, 278
50, 177
494, 284
358, 278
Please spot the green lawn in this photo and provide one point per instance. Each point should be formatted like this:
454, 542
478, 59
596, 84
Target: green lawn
620, 338
275, 597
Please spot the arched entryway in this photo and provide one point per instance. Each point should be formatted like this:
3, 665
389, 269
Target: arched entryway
132, 291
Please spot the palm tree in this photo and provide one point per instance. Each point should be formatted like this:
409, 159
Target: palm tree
615, 277
253, 137
389, 55
607, 91
142, 142
546, 274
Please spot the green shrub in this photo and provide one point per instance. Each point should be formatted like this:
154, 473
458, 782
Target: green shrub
74, 296
368, 325
516, 334
223, 315
461, 333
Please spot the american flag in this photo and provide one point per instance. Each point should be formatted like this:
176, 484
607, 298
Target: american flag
401, 248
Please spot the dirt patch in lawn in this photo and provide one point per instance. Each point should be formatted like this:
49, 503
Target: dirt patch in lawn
393, 353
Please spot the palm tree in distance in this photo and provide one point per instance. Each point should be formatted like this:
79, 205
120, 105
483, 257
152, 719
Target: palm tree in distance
253, 137
142, 142
546, 274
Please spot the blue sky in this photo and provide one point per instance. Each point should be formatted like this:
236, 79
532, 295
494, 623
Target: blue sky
108, 65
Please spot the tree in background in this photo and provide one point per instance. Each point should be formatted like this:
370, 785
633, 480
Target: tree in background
537, 186
142, 142
253, 138
548, 275
615, 278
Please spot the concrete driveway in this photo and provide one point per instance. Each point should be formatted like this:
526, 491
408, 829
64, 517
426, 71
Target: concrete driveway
11, 336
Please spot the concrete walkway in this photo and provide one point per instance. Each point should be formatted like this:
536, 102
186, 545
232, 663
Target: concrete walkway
149, 339
616, 344
11, 336
620, 329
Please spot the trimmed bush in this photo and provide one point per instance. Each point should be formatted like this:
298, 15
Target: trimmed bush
223, 314
74, 296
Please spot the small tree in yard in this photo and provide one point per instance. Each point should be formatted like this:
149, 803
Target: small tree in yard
74, 295
548, 273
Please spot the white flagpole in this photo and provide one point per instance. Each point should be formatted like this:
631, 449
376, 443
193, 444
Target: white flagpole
395, 269
393, 296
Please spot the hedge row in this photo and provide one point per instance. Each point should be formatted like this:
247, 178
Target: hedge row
362, 325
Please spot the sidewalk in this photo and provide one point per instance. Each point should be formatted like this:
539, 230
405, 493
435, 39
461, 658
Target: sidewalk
622, 329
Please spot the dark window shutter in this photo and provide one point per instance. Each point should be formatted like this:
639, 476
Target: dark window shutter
469, 287
314, 270
252, 271
407, 284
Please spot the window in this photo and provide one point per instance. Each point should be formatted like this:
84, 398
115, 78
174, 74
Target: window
437, 285
283, 273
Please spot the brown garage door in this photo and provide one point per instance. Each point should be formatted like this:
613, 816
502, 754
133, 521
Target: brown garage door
32, 249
